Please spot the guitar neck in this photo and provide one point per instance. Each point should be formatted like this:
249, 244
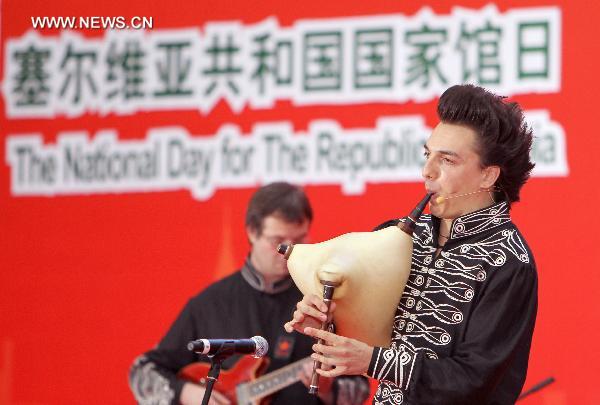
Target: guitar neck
275, 381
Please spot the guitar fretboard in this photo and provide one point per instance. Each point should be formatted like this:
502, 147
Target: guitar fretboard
276, 380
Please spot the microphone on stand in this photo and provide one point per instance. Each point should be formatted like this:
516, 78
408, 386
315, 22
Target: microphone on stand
257, 346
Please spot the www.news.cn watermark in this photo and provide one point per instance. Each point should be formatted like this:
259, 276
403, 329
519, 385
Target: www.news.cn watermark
93, 22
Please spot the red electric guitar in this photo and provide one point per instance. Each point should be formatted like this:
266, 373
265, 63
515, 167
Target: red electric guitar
243, 383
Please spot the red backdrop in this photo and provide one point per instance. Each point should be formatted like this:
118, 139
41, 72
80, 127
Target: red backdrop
90, 281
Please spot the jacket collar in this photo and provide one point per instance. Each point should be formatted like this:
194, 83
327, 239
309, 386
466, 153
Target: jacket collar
476, 222
257, 281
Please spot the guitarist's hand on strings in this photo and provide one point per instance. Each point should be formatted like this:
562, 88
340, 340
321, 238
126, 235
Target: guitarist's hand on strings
192, 394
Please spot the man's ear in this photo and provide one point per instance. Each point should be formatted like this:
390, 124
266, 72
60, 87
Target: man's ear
252, 234
490, 175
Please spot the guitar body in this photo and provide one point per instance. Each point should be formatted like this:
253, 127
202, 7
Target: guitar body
246, 369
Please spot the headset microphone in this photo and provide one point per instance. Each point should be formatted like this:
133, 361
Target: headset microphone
441, 199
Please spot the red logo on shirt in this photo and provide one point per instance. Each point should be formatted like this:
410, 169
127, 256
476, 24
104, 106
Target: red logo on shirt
284, 347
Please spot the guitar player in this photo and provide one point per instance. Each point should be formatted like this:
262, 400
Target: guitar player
256, 300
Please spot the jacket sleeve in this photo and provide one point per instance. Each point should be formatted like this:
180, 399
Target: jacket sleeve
497, 335
153, 375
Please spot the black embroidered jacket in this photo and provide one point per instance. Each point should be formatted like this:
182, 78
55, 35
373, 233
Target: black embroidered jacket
463, 327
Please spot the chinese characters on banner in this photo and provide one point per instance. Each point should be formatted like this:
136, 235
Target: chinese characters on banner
357, 60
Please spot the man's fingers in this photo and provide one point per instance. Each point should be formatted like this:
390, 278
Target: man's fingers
326, 350
315, 301
310, 310
323, 359
289, 326
330, 338
298, 316
334, 372
327, 366
292, 325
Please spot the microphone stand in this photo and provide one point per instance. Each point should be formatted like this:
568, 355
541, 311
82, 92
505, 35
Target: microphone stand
216, 360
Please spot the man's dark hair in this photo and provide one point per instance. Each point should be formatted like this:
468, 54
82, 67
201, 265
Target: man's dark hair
504, 139
281, 199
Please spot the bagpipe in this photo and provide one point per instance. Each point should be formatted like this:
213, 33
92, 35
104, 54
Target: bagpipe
364, 272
